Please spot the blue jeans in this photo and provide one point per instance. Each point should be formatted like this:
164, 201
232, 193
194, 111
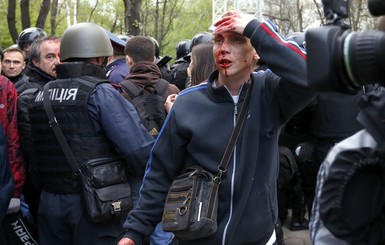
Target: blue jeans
158, 236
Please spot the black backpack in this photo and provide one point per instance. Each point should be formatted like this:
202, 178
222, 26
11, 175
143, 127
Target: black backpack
149, 103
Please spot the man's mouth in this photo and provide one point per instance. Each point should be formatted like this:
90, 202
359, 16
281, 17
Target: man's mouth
224, 63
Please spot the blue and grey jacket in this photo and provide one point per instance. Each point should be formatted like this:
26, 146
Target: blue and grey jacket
198, 128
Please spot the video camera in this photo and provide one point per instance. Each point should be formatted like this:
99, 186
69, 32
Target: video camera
340, 60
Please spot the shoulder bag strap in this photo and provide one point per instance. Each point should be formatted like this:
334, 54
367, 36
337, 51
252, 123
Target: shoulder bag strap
58, 132
161, 86
234, 136
130, 88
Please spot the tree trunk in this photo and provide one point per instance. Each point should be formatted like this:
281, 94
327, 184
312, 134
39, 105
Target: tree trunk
25, 17
127, 15
54, 8
156, 21
43, 13
134, 18
11, 19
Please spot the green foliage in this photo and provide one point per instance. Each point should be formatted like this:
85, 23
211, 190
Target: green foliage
194, 18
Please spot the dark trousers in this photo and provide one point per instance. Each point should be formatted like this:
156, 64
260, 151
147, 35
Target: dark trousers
61, 221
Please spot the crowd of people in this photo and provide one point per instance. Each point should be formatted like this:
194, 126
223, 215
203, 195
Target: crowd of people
206, 86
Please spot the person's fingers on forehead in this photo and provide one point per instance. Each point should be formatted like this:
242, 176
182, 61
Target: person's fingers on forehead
221, 21
224, 27
226, 17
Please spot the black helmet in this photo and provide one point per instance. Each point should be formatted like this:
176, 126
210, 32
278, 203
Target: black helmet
298, 37
182, 49
75, 42
203, 37
157, 47
27, 36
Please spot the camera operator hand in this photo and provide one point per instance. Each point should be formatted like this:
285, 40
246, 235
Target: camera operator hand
233, 21
126, 241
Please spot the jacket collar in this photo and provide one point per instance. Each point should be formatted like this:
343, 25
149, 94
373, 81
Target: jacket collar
78, 69
221, 94
38, 73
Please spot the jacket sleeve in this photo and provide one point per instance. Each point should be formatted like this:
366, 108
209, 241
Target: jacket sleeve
14, 153
287, 61
164, 164
116, 118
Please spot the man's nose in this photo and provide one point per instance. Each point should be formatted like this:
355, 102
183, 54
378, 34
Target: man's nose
226, 47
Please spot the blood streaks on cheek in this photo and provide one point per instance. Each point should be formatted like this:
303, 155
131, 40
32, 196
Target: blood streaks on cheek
217, 54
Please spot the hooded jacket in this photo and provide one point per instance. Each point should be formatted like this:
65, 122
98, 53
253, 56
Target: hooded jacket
147, 74
198, 128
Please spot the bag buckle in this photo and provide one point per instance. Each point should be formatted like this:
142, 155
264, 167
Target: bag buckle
218, 177
116, 206
53, 122
183, 209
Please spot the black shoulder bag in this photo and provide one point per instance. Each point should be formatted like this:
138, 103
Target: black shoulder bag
190, 210
105, 189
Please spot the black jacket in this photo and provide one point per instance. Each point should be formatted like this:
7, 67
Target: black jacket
198, 128
37, 79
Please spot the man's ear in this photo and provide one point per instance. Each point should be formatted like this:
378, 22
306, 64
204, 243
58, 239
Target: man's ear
35, 63
129, 60
256, 57
101, 61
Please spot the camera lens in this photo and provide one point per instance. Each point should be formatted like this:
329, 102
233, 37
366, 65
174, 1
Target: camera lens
364, 57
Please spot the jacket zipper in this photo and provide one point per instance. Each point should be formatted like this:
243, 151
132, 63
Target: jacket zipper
232, 180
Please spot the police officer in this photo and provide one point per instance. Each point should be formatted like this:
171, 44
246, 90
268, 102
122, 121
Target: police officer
117, 69
97, 122
182, 49
179, 73
162, 62
27, 36
25, 40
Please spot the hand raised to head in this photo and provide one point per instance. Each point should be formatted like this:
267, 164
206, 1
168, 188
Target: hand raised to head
232, 21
